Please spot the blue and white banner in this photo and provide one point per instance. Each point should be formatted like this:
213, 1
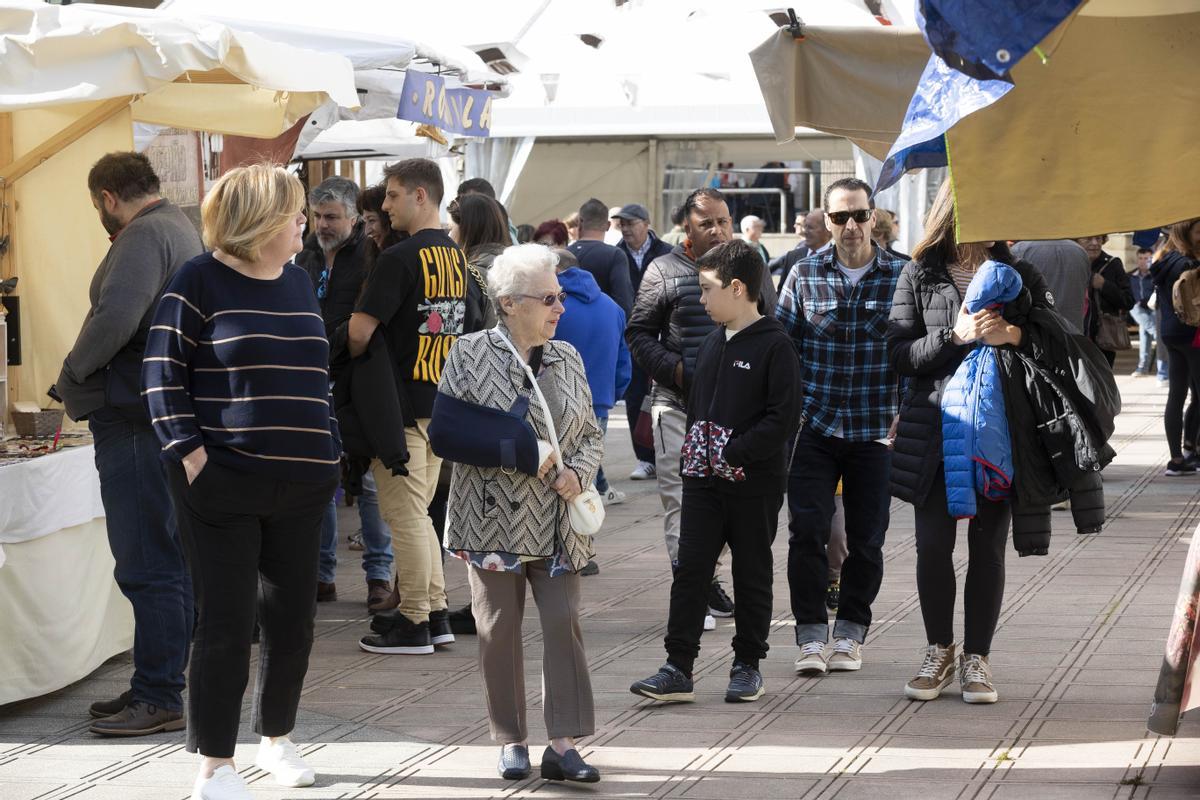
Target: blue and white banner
427, 100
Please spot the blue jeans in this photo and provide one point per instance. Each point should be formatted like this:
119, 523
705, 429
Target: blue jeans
601, 481
863, 467
1146, 333
150, 567
377, 539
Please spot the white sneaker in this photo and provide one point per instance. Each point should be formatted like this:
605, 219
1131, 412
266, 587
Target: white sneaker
845, 655
281, 760
812, 658
613, 498
644, 471
710, 624
225, 784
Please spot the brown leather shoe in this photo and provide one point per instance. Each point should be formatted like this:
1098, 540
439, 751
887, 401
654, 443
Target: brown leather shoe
139, 719
326, 592
106, 708
380, 596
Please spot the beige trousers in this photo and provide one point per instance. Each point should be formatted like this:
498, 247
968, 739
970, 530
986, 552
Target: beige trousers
404, 506
498, 601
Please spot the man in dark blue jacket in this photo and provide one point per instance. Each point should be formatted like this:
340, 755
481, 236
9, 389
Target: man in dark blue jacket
641, 246
595, 326
606, 263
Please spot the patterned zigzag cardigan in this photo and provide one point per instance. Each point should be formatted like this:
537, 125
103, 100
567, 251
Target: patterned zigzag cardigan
491, 511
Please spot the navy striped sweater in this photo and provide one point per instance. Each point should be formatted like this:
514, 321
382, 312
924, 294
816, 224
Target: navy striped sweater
240, 366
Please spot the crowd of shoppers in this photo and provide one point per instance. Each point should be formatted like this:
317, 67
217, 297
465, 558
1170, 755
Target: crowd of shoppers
390, 355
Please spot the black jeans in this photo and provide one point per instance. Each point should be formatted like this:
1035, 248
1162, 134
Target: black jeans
987, 539
150, 566
252, 541
711, 519
1183, 373
863, 467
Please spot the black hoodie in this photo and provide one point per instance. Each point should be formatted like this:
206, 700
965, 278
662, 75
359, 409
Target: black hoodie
743, 408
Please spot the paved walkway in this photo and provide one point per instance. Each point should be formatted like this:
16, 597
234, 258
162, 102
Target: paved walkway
1076, 657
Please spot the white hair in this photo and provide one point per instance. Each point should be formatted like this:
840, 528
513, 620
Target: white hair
750, 221
513, 271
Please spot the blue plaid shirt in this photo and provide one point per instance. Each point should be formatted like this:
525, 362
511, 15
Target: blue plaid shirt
839, 331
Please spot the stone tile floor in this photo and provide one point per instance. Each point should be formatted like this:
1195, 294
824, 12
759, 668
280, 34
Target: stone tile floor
1076, 658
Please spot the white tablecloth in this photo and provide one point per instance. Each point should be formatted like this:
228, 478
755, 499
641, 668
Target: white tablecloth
44, 495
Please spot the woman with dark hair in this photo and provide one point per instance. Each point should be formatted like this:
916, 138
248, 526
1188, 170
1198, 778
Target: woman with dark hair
1181, 254
552, 233
929, 334
481, 230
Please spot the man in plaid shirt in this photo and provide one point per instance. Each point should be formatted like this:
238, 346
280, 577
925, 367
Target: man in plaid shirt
835, 305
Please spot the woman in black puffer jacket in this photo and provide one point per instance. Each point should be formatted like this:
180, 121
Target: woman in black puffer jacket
1181, 254
927, 340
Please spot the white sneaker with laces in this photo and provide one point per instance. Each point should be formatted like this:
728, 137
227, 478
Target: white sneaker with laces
613, 498
281, 760
225, 784
812, 658
846, 655
644, 471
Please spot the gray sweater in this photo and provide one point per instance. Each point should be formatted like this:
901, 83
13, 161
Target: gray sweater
124, 293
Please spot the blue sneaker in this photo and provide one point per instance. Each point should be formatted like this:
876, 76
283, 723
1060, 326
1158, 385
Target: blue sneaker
668, 685
745, 684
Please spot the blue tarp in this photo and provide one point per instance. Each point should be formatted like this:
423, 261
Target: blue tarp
974, 43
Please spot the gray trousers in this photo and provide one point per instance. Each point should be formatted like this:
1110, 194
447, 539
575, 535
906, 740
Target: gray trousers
498, 602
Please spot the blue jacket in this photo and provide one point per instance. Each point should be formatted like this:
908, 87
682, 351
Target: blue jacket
595, 326
976, 448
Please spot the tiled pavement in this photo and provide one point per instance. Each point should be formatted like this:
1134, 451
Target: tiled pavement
1075, 658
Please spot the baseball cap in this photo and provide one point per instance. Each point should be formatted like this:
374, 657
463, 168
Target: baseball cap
633, 211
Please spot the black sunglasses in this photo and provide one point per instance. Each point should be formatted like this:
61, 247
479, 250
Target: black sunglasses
859, 215
547, 300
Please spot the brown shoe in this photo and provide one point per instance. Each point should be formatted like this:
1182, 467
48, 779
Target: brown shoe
139, 719
106, 708
380, 596
326, 592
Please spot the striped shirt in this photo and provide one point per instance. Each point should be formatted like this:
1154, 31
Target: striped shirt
839, 329
240, 366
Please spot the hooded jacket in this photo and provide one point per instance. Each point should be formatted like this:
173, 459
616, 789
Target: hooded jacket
976, 447
1165, 272
595, 326
669, 324
744, 407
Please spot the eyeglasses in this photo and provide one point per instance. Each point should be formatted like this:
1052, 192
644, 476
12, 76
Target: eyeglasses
859, 215
547, 300
323, 284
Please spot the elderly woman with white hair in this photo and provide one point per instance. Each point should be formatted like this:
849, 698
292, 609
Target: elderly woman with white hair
512, 526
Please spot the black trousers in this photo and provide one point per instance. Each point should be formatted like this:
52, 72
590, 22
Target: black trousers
253, 543
711, 519
987, 537
818, 462
1183, 373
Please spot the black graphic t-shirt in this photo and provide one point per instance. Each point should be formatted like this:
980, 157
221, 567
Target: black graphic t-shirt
418, 292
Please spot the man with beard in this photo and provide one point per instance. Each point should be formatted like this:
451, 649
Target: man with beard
664, 335
101, 382
335, 256
816, 237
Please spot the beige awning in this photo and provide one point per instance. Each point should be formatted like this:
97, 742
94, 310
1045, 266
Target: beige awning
1101, 137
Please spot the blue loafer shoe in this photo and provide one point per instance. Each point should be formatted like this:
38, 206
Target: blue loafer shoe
568, 767
514, 762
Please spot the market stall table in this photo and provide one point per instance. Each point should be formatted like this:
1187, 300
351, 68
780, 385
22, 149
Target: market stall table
61, 613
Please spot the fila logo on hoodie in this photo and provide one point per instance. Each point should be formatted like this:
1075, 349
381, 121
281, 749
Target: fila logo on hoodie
739, 364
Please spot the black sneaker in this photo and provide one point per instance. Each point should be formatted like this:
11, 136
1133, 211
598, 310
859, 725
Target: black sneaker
403, 637
745, 684
439, 627
833, 596
668, 685
1179, 468
463, 621
719, 604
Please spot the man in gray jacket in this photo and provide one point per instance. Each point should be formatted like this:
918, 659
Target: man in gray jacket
101, 382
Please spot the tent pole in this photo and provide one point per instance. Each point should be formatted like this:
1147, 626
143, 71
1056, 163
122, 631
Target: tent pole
12, 170
653, 181
8, 257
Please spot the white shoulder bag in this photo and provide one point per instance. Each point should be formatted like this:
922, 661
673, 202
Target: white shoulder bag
586, 509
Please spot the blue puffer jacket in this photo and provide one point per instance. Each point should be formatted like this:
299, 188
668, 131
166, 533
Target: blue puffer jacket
976, 447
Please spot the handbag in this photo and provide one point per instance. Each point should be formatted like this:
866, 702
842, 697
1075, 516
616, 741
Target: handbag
643, 430
1113, 333
586, 509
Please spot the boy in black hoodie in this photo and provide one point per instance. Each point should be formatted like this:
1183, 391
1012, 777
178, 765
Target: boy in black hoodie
743, 407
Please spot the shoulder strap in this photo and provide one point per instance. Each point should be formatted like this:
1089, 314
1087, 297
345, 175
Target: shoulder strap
537, 391
478, 276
